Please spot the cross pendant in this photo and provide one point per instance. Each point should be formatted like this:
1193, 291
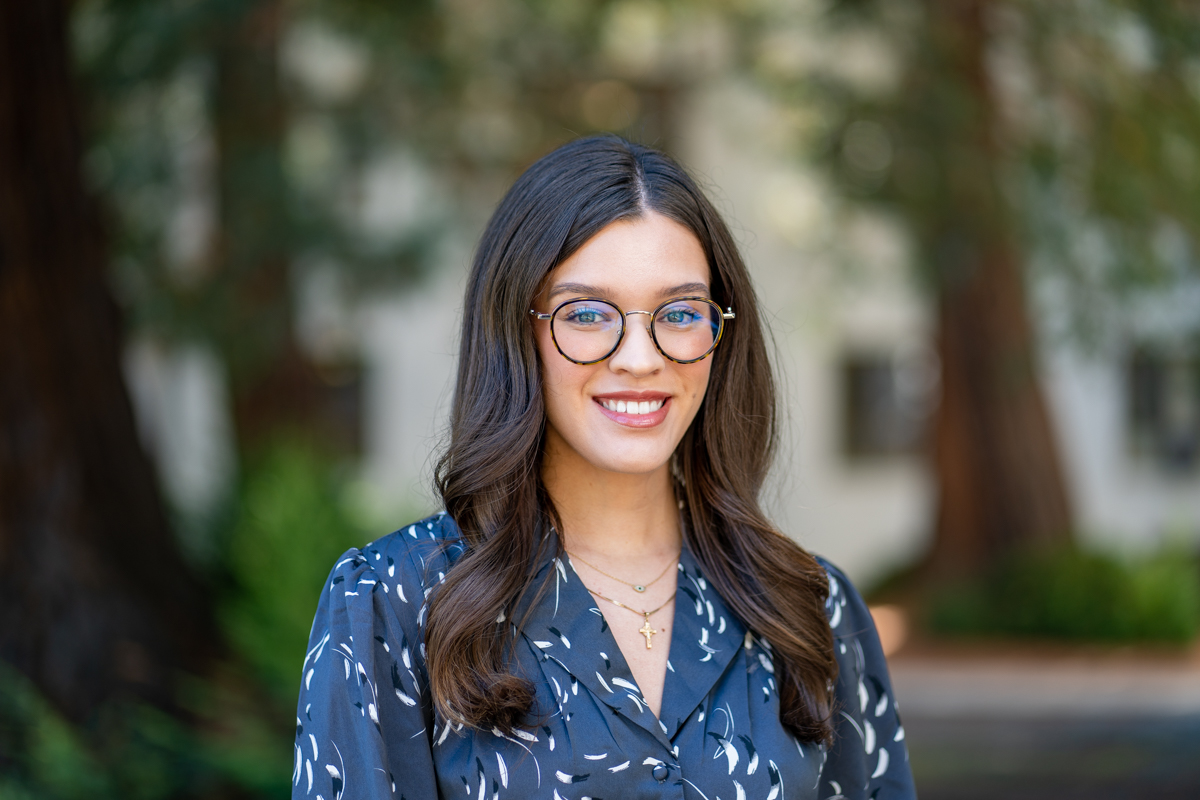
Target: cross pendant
647, 631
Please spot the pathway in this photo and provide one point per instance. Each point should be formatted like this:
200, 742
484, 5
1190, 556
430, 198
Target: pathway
987, 722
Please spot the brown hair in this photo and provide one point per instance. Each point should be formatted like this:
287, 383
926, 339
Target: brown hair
489, 477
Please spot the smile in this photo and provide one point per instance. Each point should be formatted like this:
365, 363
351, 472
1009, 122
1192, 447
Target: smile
635, 409
632, 408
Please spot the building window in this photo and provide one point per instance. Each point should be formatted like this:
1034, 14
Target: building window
1164, 407
886, 402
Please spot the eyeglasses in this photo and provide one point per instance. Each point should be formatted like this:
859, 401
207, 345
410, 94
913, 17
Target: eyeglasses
587, 330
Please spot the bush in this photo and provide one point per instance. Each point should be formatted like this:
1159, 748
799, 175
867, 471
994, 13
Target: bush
1077, 595
293, 524
131, 751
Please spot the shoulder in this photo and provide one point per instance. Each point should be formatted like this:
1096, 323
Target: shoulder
844, 606
425, 549
402, 566
869, 749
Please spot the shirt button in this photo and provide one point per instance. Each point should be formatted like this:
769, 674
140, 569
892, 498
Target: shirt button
660, 773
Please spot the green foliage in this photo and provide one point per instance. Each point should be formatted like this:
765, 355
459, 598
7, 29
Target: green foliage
1077, 595
293, 525
1066, 131
42, 754
190, 105
131, 751
281, 122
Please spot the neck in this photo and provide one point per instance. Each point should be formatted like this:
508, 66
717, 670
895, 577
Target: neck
618, 516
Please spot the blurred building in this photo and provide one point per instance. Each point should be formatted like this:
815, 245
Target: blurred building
852, 336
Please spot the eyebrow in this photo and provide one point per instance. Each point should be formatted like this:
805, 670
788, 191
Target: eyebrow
599, 291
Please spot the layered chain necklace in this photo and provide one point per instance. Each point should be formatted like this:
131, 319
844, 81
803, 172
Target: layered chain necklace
637, 587
646, 630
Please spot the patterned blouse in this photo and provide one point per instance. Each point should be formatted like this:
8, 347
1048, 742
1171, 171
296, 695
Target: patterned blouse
366, 728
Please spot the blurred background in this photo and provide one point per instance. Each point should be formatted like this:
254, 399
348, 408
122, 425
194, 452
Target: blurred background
234, 236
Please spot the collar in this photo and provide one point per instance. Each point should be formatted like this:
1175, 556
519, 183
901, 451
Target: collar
566, 624
707, 635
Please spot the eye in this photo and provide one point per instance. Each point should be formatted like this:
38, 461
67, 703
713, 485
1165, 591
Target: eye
584, 316
679, 316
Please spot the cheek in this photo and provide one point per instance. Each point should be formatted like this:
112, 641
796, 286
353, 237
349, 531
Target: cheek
697, 379
555, 372
562, 381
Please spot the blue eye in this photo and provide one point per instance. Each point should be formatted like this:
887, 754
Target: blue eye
587, 316
679, 316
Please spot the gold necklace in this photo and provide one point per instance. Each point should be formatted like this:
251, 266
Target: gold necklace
637, 587
645, 630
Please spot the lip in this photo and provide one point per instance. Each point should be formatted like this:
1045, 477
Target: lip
650, 420
627, 395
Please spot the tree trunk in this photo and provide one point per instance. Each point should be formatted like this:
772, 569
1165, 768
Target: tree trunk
1000, 479
95, 600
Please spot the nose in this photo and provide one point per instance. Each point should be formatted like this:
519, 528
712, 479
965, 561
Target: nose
636, 354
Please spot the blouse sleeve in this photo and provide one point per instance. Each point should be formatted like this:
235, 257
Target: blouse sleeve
869, 758
363, 721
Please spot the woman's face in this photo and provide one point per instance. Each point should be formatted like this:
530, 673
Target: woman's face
636, 264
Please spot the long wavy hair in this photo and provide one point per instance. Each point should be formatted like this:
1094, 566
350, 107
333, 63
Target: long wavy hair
489, 476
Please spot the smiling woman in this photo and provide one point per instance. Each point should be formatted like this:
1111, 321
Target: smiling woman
625, 377
602, 610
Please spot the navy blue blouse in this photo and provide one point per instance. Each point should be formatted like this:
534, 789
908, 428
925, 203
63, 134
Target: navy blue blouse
366, 728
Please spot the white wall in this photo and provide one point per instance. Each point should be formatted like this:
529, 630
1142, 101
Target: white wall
1122, 502
409, 345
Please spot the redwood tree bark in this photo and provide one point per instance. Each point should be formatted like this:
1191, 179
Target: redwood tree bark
1000, 479
95, 599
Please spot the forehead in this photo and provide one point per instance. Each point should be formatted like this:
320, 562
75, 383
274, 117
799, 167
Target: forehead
634, 260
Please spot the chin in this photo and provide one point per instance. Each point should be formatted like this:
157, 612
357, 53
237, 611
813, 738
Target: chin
620, 453
640, 469
631, 464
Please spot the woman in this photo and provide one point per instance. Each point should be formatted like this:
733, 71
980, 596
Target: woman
602, 610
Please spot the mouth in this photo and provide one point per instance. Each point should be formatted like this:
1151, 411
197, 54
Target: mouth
635, 409
632, 407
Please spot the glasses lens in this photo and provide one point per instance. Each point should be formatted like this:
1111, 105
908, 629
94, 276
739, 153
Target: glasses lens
687, 329
587, 330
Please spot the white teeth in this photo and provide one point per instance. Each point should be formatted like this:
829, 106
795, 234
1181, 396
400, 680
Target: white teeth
633, 409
